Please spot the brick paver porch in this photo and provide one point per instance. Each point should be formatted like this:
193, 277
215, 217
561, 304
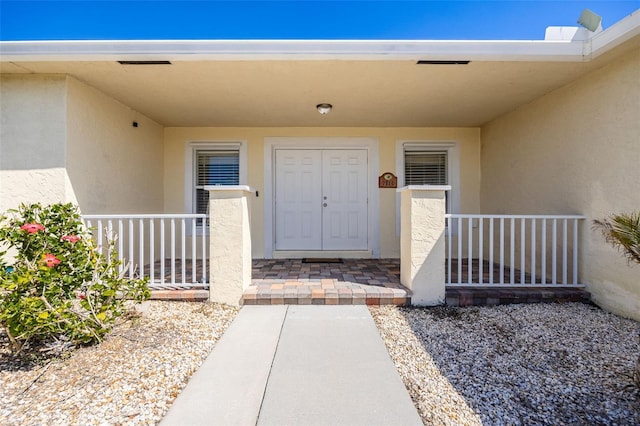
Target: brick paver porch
367, 281
347, 282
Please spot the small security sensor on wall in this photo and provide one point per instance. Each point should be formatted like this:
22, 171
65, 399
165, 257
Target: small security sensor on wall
135, 124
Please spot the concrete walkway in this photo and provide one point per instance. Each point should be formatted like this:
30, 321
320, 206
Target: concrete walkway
296, 365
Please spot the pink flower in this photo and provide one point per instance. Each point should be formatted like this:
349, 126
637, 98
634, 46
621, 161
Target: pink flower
32, 228
81, 296
70, 238
50, 260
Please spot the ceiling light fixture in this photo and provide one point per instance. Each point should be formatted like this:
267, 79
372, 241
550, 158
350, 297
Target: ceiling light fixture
324, 109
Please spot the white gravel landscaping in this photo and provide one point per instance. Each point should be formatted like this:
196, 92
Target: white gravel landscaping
539, 364
131, 378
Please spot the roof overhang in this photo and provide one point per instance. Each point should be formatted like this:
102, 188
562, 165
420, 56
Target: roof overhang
301, 50
366, 50
375, 82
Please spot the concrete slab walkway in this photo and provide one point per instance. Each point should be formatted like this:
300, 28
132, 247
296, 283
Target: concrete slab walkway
296, 365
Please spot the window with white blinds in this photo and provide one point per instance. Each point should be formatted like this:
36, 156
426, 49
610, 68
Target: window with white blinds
425, 167
214, 167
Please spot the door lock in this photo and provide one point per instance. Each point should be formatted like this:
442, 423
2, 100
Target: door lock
325, 204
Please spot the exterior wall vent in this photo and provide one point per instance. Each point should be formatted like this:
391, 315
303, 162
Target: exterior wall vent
144, 62
442, 62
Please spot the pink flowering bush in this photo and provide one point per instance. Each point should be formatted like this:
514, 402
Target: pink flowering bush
54, 283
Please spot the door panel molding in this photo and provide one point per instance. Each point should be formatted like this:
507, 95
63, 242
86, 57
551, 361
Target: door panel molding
298, 209
271, 144
345, 216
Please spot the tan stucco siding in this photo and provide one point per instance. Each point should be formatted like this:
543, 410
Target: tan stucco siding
575, 150
177, 140
113, 166
64, 141
32, 140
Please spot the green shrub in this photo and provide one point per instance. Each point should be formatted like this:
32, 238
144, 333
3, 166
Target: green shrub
623, 232
54, 283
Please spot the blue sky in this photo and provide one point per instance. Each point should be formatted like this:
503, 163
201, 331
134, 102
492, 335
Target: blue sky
149, 20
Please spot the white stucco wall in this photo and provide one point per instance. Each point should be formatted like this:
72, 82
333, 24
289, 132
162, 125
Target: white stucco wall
575, 150
113, 166
176, 140
33, 140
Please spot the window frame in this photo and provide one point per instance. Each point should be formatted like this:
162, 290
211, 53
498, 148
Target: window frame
453, 169
190, 178
204, 169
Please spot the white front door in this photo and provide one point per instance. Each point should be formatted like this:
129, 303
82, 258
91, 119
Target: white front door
321, 199
298, 191
344, 214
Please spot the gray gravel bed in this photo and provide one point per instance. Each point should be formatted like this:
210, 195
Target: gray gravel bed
131, 378
539, 364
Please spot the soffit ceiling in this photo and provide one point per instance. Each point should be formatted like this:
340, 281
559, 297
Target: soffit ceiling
283, 93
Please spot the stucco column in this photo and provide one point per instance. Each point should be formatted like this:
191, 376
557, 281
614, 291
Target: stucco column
229, 243
422, 243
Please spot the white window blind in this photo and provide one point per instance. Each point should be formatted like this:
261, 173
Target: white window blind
214, 167
425, 167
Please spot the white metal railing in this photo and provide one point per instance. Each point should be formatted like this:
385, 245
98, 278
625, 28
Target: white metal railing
169, 249
512, 250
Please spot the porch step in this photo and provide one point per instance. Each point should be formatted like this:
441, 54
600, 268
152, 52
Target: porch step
324, 292
486, 296
181, 295
310, 293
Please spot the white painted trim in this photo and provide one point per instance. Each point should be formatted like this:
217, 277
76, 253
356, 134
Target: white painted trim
424, 188
515, 216
192, 146
453, 172
615, 35
220, 50
199, 50
221, 188
387, 50
373, 160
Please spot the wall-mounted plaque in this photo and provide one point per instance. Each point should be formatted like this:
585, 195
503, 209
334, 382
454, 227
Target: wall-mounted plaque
387, 180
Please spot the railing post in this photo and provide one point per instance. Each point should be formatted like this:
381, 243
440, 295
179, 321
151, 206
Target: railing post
229, 243
422, 243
